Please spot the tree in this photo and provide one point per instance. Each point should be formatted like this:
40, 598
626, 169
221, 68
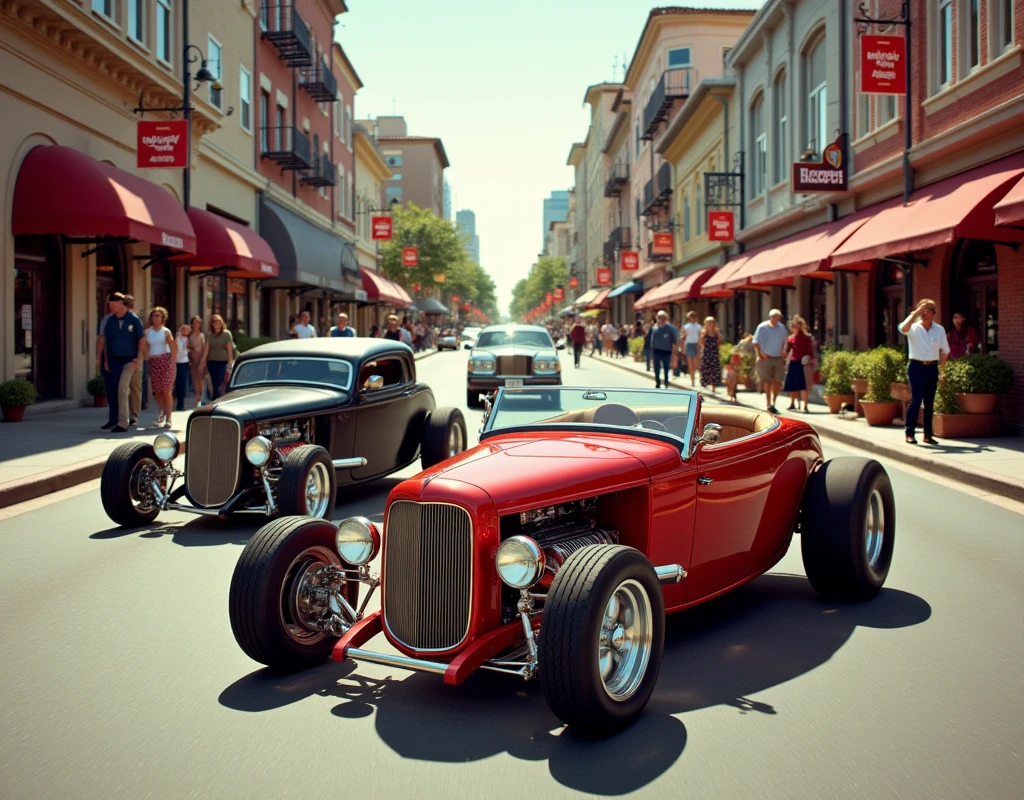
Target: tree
543, 277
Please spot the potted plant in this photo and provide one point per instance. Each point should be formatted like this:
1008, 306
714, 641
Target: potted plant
14, 396
836, 368
747, 371
882, 366
977, 381
859, 379
97, 390
636, 348
900, 388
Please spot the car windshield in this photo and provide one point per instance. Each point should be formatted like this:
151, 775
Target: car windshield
513, 336
319, 371
658, 410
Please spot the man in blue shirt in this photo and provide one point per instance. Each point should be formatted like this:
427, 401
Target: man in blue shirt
664, 340
122, 354
769, 343
342, 328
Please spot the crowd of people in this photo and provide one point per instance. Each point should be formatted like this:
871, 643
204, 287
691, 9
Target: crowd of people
419, 335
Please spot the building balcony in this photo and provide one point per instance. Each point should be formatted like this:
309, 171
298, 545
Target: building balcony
652, 256
675, 84
318, 81
323, 173
617, 178
619, 239
286, 146
658, 191
282, 26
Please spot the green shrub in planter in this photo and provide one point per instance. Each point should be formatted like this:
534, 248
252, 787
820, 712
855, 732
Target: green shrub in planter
636, 346
883, 367
979, 374
243, 343
724, 353
94, 386
17, 393
748, 364
945, 399
861, 365
839, 365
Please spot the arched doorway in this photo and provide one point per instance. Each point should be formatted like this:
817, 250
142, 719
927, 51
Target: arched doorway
889, 306
38, 317
975, 292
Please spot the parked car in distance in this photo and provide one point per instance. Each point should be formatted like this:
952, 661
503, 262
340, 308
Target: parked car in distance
513, 356
300, 418
448, 340
554, 549
469, 335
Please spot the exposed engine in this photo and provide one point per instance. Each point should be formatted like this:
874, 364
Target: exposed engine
284, 433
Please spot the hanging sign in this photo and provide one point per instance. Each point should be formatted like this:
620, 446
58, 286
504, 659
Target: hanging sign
410, 257
662, 244
455, 298
828, 175
415, 287
629, 260
883, 65
720, 226
574, 282
548, 297
382, 228
236, 285
559, 293
162, 144
439, 278
604, 276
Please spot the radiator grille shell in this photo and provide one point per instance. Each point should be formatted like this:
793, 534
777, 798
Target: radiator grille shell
428, 581
212, 459
515, 365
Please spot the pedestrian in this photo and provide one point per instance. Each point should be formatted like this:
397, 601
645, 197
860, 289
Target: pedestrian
962, 339
608, 333
393, 332
769, 342
647, 345
160, 349
303, 330
693, 331
219, 353
342, 328
181, 368
622, 342
596, 339
196, 356
139, 399
664, 342
374, 331
292, 319
798, 354
929, 348
122, 356
578, 335
710, 363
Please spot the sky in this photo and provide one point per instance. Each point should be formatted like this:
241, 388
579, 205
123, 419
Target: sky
502, 84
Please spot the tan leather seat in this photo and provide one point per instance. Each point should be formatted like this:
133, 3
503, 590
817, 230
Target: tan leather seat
736, 422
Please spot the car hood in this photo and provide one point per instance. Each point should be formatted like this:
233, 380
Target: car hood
268, 401
516, 350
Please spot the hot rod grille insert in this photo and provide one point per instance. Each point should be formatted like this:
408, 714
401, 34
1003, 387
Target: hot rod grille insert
515, 365
212, 459
428, 561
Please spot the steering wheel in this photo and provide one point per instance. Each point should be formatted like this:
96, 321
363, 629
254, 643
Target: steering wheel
651, 425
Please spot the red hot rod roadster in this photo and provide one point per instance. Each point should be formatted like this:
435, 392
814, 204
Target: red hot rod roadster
554, 548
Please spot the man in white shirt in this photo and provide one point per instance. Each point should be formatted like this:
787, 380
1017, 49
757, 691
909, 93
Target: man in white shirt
929, 348
693, 330
303, 330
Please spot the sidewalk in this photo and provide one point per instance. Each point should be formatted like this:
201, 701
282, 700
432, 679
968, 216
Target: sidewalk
49, 452
993, 465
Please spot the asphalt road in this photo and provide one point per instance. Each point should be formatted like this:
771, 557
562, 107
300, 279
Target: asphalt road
121, 678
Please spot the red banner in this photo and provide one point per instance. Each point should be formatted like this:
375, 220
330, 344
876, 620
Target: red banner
574, 282
382, 228
720, 226
883, 65
548, 297
415, 287
629, 260
662, 244
162, 144
455, 298
604, 276
410, 257
559, 293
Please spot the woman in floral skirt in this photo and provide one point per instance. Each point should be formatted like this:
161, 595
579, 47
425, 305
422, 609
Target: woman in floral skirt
710, 364
160, 349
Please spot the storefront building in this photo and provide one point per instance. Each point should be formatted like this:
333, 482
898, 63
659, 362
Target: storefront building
371, 172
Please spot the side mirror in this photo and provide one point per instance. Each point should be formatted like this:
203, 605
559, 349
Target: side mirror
487, 409
712, 433
560, 346
374, 382
467, 346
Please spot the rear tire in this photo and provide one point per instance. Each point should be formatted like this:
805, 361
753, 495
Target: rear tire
308, 486
848, 528
444, 436
121, 485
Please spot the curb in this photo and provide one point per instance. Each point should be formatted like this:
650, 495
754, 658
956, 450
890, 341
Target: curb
978, 478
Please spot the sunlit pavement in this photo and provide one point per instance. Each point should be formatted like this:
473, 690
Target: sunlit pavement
122, 679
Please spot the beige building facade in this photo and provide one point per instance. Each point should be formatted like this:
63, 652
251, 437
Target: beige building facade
371, 172
417, 164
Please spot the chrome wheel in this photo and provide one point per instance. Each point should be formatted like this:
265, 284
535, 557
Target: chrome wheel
456, 441
140, 485
874, 529
627, 633
303, 597
318, 489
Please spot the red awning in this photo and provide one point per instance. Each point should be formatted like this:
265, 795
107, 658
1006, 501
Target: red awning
715, 285
382, 290
654, 296
60, 190
222, 242
1010, 210
960, 207
403, 295
689, 286
601, 301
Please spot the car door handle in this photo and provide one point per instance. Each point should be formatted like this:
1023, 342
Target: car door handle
704, 481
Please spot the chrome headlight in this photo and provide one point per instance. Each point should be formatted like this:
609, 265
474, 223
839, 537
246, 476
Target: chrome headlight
520, 562
257, 450
481, 365
547, 364
166, 446
358, 541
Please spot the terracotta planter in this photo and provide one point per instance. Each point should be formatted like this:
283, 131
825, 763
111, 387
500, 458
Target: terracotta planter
837, 401
99, 401
977, 403
749, 383
638, 357
13, 413
900, 391
880, 414
965, 426
860, 385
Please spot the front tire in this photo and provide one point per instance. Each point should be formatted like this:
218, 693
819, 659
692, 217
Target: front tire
444, 436
308, 486
124, 490
601, 638
848, 528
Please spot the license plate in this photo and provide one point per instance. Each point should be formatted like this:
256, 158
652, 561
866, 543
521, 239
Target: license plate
514, 383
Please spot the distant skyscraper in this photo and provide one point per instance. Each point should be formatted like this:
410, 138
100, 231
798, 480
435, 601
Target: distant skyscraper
447, 201
556, 209
466, 220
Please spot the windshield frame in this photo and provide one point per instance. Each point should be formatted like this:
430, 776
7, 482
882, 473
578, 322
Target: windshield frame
683, 444
347, 388
514, 343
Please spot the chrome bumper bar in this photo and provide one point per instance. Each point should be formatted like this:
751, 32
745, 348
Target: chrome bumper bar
212, 512
390, 660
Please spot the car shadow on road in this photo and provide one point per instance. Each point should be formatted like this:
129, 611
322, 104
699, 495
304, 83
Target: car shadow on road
770, 631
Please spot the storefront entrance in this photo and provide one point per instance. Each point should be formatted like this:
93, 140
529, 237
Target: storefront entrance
111, 276
38, 321
164, 292
975, 292
889, 305
820, 329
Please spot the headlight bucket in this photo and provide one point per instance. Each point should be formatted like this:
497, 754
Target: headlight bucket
357, 541
166, 446
257, 450
520, 562
547, 365
482, 365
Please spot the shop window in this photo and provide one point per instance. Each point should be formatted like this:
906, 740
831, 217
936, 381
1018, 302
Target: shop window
816, 99
780, 152
759, 147
975, 292
214, 59
944, 43
165, 30
38, 321
889, 303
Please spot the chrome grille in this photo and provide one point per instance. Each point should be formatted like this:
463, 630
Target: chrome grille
212, 454
428, 561
515, 365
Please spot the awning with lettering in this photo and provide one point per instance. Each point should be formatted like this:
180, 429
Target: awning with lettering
307, 255
60, 190
222, 242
